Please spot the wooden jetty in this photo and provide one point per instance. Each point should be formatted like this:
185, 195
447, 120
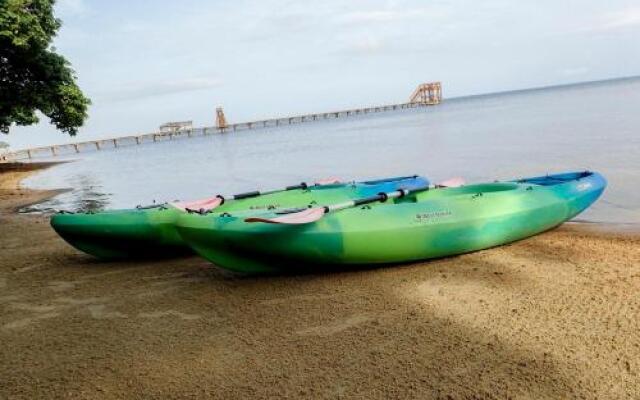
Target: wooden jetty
426, 94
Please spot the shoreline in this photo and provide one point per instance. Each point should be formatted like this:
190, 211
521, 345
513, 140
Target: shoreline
553, 316
13, 195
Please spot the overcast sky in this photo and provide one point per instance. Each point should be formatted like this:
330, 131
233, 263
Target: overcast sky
147, 62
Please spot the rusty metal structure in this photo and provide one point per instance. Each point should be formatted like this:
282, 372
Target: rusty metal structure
221, 121
427, 93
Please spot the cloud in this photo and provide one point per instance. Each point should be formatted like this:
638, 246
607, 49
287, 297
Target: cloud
389, 15
574, 71
621, 19
333, 20
72, 8
370, 16
135, 91
134, 27
363, 45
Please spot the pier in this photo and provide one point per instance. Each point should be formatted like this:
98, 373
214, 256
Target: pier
427, 94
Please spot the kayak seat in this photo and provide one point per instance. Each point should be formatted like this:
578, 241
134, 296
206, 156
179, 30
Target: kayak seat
201, 205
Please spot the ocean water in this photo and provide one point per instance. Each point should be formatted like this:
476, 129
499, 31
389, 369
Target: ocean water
593, 126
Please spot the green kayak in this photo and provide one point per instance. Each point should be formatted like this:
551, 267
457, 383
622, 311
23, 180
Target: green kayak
426, 224
146, 232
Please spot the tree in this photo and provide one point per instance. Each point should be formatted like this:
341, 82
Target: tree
33, 77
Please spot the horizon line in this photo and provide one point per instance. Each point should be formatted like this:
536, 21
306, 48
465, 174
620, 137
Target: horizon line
545, 87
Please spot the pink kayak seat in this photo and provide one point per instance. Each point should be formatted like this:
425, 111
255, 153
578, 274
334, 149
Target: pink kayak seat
328, 181
453, 182
199, 205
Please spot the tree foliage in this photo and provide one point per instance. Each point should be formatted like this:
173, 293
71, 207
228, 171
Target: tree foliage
32, 75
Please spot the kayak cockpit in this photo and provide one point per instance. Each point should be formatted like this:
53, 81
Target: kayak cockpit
556, 179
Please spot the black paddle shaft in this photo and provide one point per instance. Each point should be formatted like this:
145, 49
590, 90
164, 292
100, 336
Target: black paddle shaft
300, 186
371, 199
246, 195
256, 193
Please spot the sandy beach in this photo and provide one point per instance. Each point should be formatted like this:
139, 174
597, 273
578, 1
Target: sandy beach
551, 317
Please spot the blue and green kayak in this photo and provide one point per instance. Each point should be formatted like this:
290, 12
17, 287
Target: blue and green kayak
422, 225
146, 232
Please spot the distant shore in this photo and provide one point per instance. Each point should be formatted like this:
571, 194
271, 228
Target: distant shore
553, 316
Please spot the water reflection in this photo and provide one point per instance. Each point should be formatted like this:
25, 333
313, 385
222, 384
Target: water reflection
86, 195
89, 196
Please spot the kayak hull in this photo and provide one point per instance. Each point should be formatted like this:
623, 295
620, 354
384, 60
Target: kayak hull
151, 233
431, 224
145, 233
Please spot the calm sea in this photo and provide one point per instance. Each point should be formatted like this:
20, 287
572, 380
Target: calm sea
593, 126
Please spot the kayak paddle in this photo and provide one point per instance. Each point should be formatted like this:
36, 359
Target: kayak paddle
209, 204
308, 215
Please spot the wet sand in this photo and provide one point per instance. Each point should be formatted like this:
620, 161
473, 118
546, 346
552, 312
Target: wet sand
555, 316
